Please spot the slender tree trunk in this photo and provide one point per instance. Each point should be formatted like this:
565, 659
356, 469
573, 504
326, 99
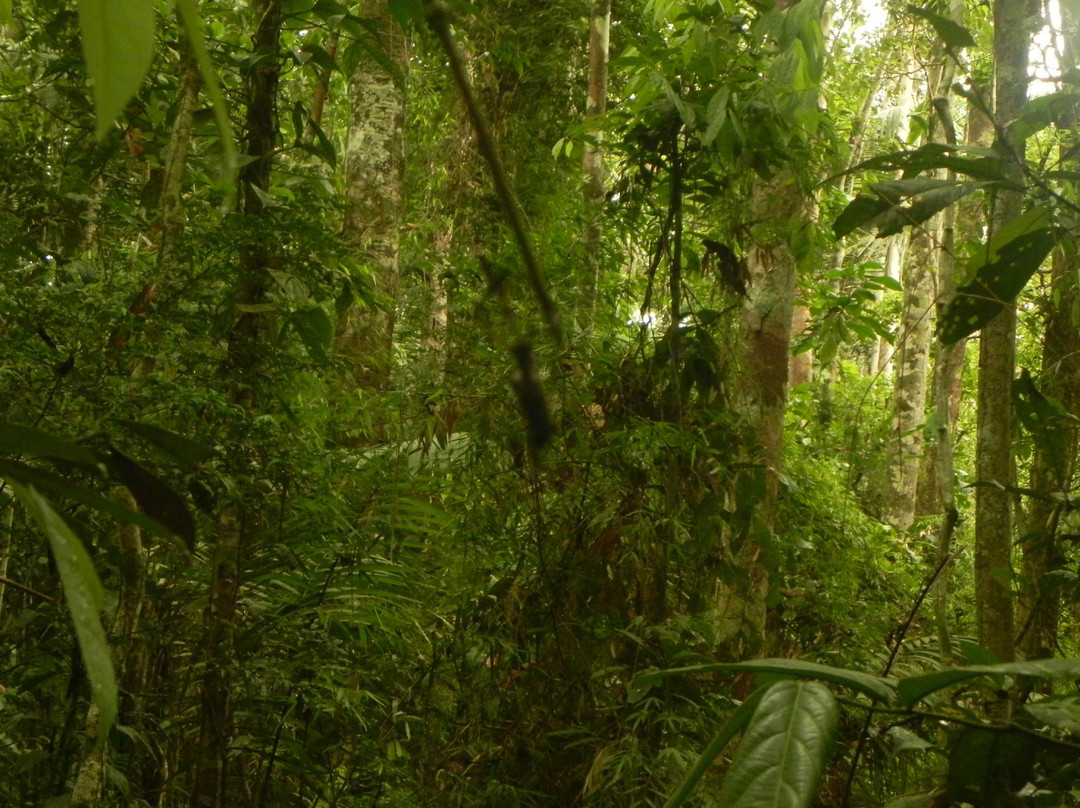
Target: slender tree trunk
593, 158
374, 197
1053, 465
997, 350
211, 787
909, 398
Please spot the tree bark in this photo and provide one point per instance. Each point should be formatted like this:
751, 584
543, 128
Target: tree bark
997, 350
211, 786
374, 197
593, 157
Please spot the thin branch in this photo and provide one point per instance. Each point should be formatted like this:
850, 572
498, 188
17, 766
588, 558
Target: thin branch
439, 22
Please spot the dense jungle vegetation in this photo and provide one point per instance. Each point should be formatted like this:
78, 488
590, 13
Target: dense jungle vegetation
539, 403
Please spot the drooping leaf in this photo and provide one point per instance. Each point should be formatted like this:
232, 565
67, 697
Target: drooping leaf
1042, 416
984, 164
732, 727
16, 439
62, 487
987, 767
85, 598
315, 330
188, 12
179, 448
876, 687
914, 688
716, 114
783, 754
1053, 109
860, 212
118, 44
952, 33
155, 498
999, 273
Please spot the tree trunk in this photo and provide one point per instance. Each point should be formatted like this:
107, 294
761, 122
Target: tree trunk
211, 786
765, 348
1054, 462
593, 158
374, 197
997, 349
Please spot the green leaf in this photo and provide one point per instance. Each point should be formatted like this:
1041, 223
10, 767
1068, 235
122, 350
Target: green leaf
949, 31
315, 330
25, 440
188, 12
61, 487
732, 727
860, 212
875, 687
85, 598
716, 114
118, 44
783, 754
987, 767
156, 499
5, 12
999, 274
1062, 712
915, 688
175, 446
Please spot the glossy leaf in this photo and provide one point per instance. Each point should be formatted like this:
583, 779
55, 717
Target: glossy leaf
732, 727
915, 688
784, 751
875, 687
85, 598
901, 203
998, 274
118, 44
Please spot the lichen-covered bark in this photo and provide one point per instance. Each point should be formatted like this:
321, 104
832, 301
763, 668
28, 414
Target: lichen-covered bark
373, 200
765, 348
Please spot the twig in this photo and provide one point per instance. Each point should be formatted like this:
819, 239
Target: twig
864, 734
438, 21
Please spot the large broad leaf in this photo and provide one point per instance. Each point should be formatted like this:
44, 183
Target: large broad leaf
952, 33
982, 164
315, 330
901, 203
875, 687
999, 273
987, 767
1061, 712
85, 599
177, 447
24, 440
155, 497
917, 687
62, 487
784, 751
732, 727
118, 43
